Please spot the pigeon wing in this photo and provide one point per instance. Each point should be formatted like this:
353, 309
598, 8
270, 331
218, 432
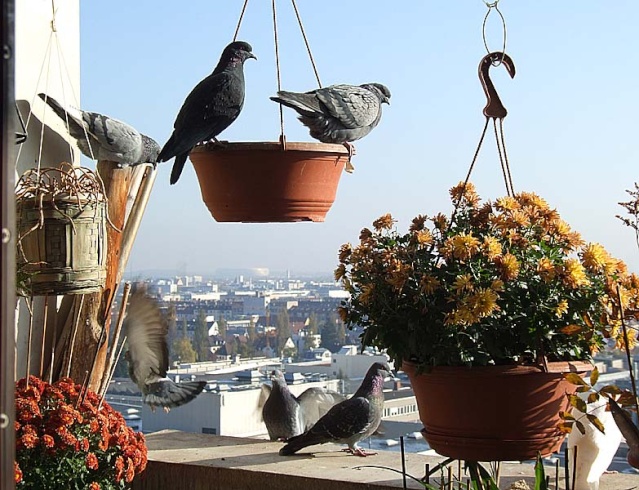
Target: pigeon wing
315, 403
265, 392
355, 107
146, 336
115, 139
344, 420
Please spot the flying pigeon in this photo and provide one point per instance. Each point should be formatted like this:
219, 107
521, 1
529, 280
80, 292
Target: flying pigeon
286, 415
148, 356
595, 449
339, 113
101, 137
210, 108
350, 421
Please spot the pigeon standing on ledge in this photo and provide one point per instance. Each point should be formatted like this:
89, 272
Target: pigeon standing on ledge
210, 108
350, 421
148, 356
103, 138
339, 113
286, 415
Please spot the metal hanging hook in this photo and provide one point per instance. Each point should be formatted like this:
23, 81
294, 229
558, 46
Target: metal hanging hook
494, 107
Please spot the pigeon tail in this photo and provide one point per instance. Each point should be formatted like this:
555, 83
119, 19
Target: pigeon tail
305, 104
76, 129
296, 443
178, 166
166, 393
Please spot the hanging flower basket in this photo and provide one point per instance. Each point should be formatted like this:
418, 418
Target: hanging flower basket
61, 223
267, 182
493, 413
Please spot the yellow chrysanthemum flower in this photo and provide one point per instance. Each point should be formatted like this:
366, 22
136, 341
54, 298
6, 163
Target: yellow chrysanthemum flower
491, 248
463, 283
519, 219
340, 272
345, 252
497, 285
440, 221
463, 246
594, 257
507, 203
423, 237
428, 284
574, 274
365, 294
365, 235
546, 269
483, 303
384, 222
418, 223
509, 266
561, 308
466, 192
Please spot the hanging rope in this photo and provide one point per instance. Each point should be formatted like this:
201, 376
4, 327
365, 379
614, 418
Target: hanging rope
308, 46
279, 77
239, 22
493, 6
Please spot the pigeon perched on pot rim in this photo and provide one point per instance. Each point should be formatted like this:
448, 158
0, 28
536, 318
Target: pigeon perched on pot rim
286, 415
101, 137
148, 356
338, 113
350, 421
210, 108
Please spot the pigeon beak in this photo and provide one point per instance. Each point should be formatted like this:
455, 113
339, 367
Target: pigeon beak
387, 100
251, 55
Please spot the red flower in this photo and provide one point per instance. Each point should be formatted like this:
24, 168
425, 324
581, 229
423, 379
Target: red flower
130, 470
119, 467
48, 441
17, 472
84, 445
94, 486
92, 461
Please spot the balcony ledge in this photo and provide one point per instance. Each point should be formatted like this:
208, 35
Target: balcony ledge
186, 461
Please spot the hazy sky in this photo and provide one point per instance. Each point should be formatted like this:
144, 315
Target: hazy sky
571, 133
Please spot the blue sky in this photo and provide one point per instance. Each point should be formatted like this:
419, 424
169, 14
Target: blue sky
571, 132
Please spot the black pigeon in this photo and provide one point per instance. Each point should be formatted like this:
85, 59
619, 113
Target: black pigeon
101, 137
350, 421
148, 356
286, 415
339, 113
210, 108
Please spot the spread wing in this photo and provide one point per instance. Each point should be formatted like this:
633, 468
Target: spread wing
146, 336
265, 392
315, 402
355, 107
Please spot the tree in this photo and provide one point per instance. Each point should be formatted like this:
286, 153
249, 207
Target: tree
312, 324
251, 338
182, 350
201, 337
221, 327
171, 321
283, 329
333, 334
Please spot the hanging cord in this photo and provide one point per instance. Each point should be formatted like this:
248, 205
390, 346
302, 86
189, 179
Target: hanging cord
279, 76
493, 6
503, 157
308, 46
239, 22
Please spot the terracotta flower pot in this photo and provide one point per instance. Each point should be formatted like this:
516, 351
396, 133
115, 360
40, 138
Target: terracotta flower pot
262, 182
493, 413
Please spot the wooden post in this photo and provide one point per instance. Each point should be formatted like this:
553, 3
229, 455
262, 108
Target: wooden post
89, 354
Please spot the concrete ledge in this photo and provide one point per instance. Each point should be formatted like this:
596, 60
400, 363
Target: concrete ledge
186, 461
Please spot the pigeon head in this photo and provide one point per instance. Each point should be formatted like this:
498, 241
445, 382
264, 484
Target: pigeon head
278, 378
238, 51
150, 150
380, 90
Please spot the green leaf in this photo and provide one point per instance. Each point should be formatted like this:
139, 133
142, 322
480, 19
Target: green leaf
540, 474
575, 379
596, 422
566, 415
580, 426
610, 390
593, 397
594, 376
578, 403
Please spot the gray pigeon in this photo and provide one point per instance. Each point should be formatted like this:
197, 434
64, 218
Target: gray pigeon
101, 137
286, 415
339, 113
210, 108
148, 356
350, 421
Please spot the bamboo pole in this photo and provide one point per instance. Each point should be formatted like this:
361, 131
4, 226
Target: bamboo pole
116, 337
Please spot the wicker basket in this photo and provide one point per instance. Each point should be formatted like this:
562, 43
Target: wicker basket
62, 232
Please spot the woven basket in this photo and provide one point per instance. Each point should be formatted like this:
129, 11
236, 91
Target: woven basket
62, 242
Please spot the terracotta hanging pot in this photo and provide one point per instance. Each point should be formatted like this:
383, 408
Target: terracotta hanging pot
493, 413
263, 182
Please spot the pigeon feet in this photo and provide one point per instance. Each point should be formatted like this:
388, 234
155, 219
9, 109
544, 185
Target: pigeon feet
359, 452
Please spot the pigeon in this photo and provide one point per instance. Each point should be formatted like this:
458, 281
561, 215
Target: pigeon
350, 421
339, 113
210, 108
595, 449
286, 415
101, 137
148, 356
